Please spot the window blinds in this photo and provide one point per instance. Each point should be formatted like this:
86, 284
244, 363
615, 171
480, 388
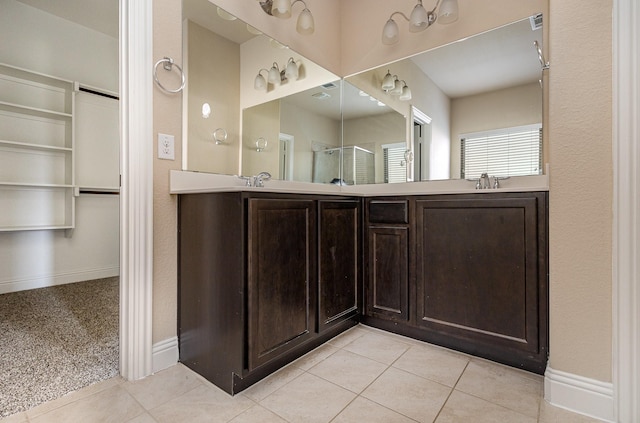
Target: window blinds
395, 169
504, 152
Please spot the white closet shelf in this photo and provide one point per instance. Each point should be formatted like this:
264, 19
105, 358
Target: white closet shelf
33, 228
28, 185
33, 111
34, 146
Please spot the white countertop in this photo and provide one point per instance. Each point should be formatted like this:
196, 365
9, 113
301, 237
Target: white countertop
186, 182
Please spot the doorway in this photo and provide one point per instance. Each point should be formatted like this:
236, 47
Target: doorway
87, 249
421, 144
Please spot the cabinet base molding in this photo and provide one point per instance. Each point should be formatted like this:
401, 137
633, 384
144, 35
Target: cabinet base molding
57, 279
165, 354
579, 394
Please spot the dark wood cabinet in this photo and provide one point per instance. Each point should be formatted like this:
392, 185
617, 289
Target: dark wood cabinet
264, 278
477, 273
249, 272
281, 279
339, 261
481, 275
387, 273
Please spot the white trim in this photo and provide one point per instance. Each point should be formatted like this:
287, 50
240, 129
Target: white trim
626, 213
165, 354
136, 195
579, 394
57, 279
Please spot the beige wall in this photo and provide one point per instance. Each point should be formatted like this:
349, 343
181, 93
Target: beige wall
216, 82
167, 119
261, 121
510, 107
372, 132
579, 132
308, 129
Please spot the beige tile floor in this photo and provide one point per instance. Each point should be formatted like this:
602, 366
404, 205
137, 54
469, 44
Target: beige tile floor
363, 375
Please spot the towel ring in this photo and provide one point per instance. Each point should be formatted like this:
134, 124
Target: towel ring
168, 66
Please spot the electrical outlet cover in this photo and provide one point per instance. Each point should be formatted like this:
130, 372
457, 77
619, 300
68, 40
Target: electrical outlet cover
166, 147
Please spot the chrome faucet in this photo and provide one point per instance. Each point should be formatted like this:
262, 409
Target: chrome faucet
258, 180
484, 182
246, 179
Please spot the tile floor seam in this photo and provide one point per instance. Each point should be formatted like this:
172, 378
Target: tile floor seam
179, 396
145, 411
453, 388
275, 390
64, 404
500, 405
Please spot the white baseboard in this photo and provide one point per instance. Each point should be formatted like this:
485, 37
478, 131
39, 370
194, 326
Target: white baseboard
57, 279
579, 394
165, 354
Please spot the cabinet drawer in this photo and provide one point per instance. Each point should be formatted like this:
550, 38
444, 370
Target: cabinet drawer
388, 211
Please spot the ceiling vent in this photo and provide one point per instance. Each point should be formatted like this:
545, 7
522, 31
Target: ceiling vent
536, 21
329, 86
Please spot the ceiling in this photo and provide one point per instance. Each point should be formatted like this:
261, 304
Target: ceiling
500, 58
99, 15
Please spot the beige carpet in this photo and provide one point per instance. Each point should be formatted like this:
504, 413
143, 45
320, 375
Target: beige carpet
56, 340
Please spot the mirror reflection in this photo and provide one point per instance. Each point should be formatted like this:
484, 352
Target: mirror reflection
315, 127
485, 90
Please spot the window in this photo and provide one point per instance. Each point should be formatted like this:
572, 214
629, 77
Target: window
502, 152
395, 166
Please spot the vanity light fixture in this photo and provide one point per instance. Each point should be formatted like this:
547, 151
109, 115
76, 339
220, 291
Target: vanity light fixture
391, 84
260, 83
206, 110
420, 19
282, 9
275, 76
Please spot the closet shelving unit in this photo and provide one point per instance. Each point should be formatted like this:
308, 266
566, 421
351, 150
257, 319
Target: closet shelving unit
37, 163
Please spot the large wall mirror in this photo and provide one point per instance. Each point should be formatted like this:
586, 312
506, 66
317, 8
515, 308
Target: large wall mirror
324, 129
253, 124
483, 85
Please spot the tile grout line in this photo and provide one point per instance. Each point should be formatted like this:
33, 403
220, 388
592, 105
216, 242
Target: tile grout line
453, 388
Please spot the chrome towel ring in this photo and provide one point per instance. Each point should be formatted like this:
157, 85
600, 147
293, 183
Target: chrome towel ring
168, 66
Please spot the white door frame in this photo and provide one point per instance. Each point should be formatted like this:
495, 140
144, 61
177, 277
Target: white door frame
136, 190
626, 210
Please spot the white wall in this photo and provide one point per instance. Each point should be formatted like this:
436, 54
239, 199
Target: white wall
42, 42
38, 41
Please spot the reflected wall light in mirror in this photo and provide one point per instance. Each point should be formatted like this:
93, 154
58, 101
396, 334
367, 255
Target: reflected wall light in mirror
206, 111
275, 76
420, 19
391, 84
282, 9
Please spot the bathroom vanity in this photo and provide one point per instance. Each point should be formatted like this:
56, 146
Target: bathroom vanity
268, 274
263, 279
466, 271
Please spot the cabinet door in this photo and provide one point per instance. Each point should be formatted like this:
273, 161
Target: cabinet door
281, 272
479, 282
338, 260
387, 272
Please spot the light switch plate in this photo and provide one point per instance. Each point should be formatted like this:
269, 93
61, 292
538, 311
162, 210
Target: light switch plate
166, 147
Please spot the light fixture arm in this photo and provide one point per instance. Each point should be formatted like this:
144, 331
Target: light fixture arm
301, 1
397, 12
